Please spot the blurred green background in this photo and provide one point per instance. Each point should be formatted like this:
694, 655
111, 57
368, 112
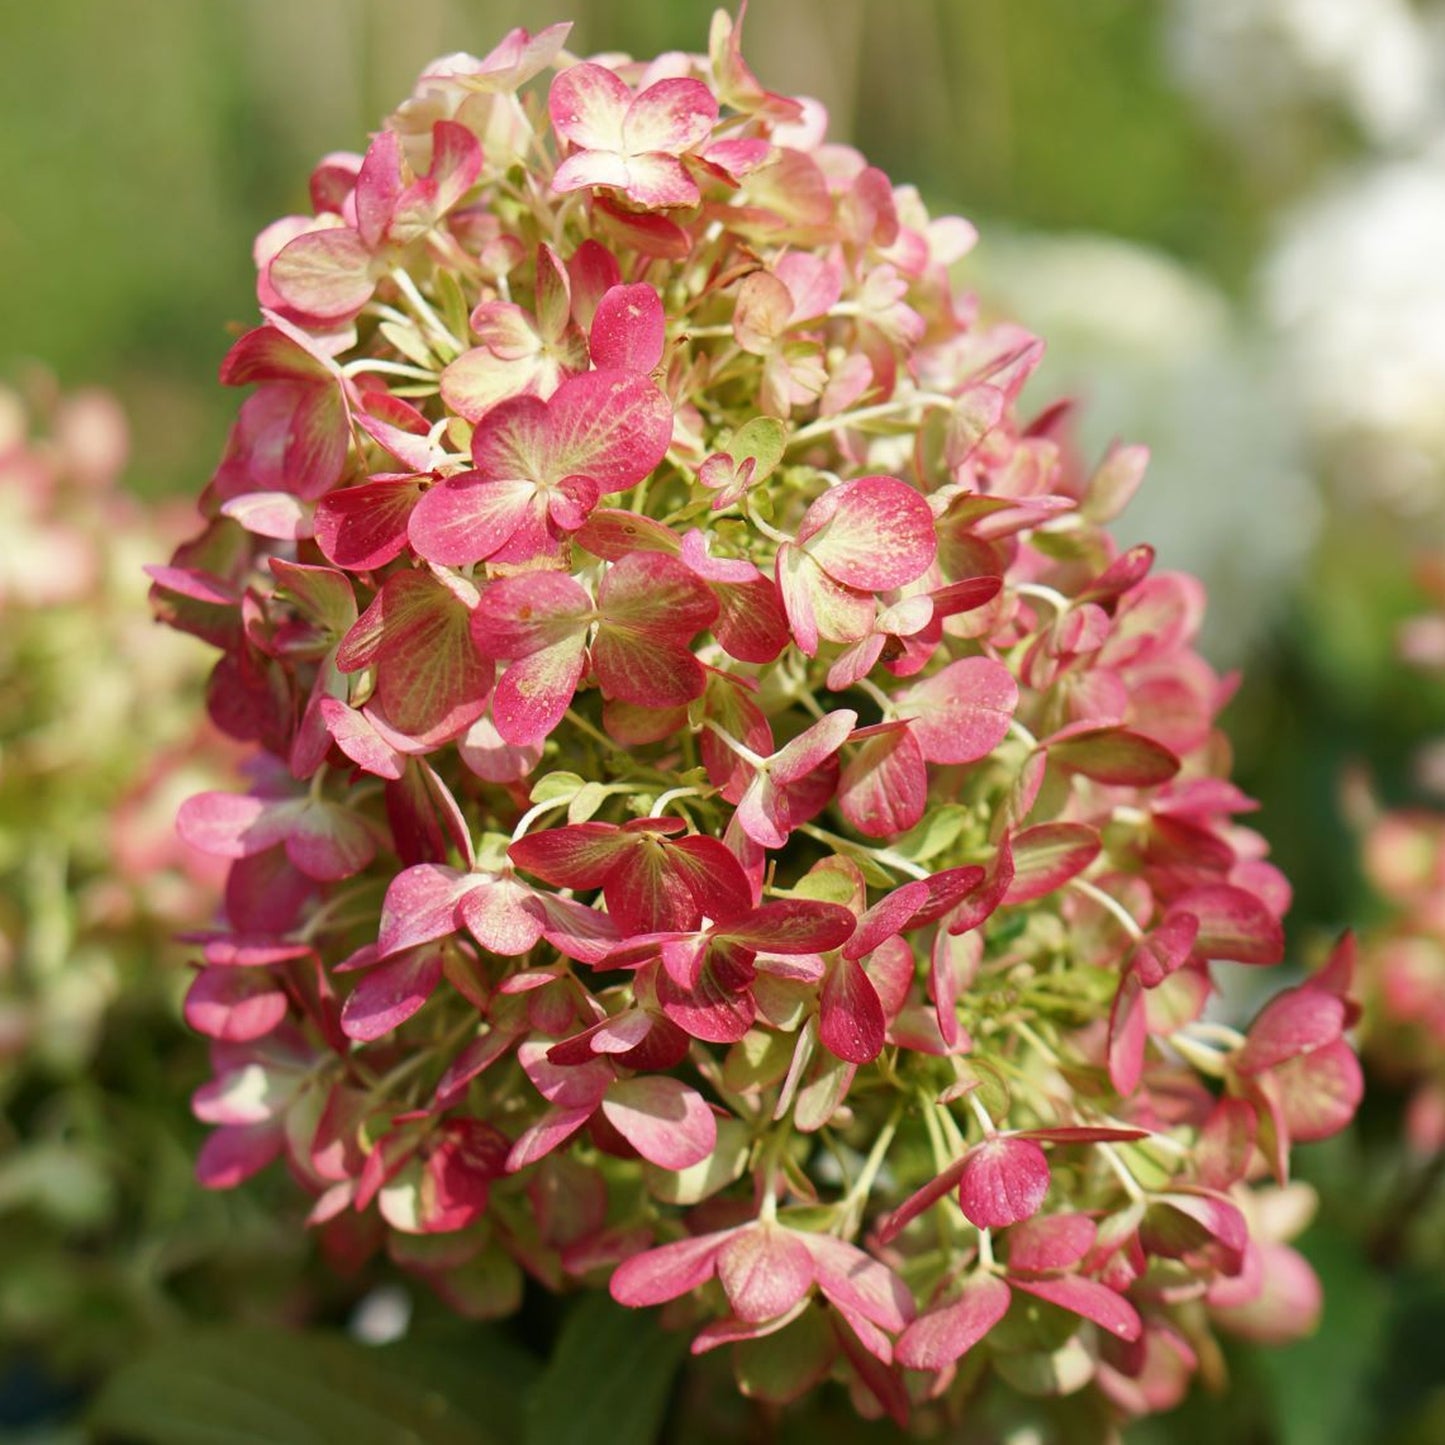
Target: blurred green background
1226, 216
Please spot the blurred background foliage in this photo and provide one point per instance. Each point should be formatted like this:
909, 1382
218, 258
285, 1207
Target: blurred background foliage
1225, 216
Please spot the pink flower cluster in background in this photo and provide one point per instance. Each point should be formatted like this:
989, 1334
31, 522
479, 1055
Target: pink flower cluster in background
726, 822
99, 741
1403, 856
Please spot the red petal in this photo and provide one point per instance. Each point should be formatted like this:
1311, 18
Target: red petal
1113, 755
1003, 1181
628, 329
665, 1273
1047, 856
1050, 1242
851, 1025
1233, 924
1087, 1297
1128, 1035
386, 996
935, 1340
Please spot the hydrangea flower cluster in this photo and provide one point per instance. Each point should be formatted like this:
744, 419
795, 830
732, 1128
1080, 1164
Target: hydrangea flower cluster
1404, 974
1403, 959
101, 739
727, 820
93, 880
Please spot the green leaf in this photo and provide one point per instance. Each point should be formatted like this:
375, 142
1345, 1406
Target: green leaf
247, 1386
941, 828
1319, 1385
590, 797
764, 440
608, 1378
556, 788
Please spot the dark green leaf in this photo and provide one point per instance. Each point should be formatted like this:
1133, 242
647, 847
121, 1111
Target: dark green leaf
243, 1386
608, 1378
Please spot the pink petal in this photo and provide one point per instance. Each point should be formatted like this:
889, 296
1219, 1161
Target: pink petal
764, 1270
813, 746
233, 1153
275, 515
570, 1086
378, 187
871, 533
1050, 1242
504, 916
517, 616
329, 842
851, 1025
660, 181
1003, 1181
550, 1132
493, 760
583, 169
962, 712
713, 876
467, 518
935, 1340
579, 856
664, 1120
883, 789
1087, 1297
457, 1176
420, 906
1196, 1224
535, 691
1319, 1092
1297, 1021
708, 1011
628, 329
386, 996
1233, 924
357, 737
250, 1094
432, 683
1226, 1144
857, 1283
324, 274
673, 115
231, 825
1286, 1306
236, 1005
1045, 857
790, 926
1128, 1035
1165, 949
1113, 755
587, 104
664, 1273
611, 426
818, 606
363, 528
890, 915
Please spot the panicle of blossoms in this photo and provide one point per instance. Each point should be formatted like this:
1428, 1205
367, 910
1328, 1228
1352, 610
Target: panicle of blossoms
727, 820
1403, 957
98, 739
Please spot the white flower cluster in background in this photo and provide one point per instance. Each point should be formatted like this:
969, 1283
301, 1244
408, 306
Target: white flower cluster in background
1250, 61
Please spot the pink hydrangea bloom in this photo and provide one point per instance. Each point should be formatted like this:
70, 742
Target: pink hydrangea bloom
723, 771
